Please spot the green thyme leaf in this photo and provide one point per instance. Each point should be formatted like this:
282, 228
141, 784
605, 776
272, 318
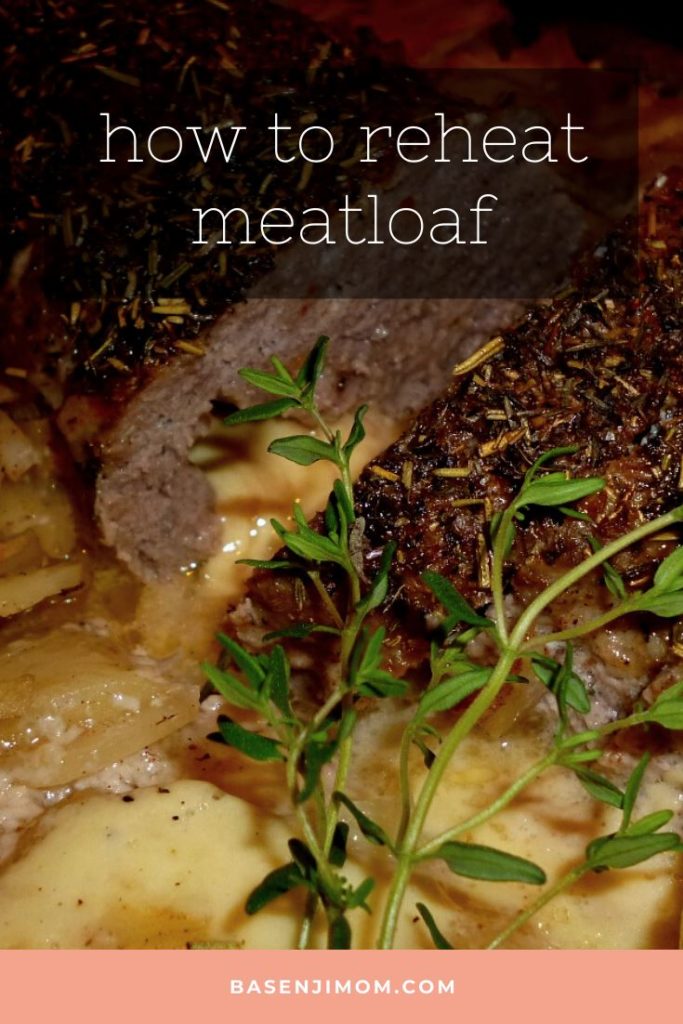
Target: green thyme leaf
625, 851
576, 757
487, 863
314, 364
332, 518
555, 676
256, 413
357, 432
667, 710
612, 578
669, 575
269, 564
304, 859
672, 693
367, 677
244, 661
452, 660
450, 692
358, 897
555, 489
281, 370
276, 883
344, 506
278, 681
499, 522
312, 546
428, 755
230, 687
381, 684
303, 449
273, 383
600, 787
553, 453
316, 754
255, 746
650, 823
234, 691
632, 789
573, 513
455, 604
369, 828
437, 938
665, 604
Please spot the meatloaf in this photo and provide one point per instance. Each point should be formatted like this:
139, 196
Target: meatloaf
600, 368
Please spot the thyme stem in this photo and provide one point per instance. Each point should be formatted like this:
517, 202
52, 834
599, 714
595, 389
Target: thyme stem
572, 576
404, 783
563, 883
582, 629
314, 577
501, 802
406, 854
497, 586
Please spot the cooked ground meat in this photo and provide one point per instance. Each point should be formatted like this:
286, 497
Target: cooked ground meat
600, 367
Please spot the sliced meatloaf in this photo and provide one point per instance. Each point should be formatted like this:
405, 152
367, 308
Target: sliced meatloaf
600, 368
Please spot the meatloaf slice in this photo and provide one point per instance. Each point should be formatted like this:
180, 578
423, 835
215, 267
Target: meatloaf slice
600, 368
156, 509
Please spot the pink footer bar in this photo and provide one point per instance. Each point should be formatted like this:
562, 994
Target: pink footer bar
166, 987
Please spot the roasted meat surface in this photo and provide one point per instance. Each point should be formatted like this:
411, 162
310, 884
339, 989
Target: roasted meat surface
600, 368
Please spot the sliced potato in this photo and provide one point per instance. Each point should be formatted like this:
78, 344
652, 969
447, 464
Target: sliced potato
17, 453
42, 506
72, 704
20, 553
56, 529
17, 593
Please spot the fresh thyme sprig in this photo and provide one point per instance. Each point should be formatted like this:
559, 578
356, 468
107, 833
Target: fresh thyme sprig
260, 683
308, 745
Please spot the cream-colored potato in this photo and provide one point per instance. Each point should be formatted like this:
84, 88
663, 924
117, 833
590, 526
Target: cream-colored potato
42, 506
161, 871
175, 867
20, 553
26, 589
72, 703
166, 869
17, 453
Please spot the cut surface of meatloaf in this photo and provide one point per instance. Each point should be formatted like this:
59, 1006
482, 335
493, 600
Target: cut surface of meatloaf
156, 509
144, 330
600, 368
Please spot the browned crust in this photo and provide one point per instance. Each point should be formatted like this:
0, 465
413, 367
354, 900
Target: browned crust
601, 367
